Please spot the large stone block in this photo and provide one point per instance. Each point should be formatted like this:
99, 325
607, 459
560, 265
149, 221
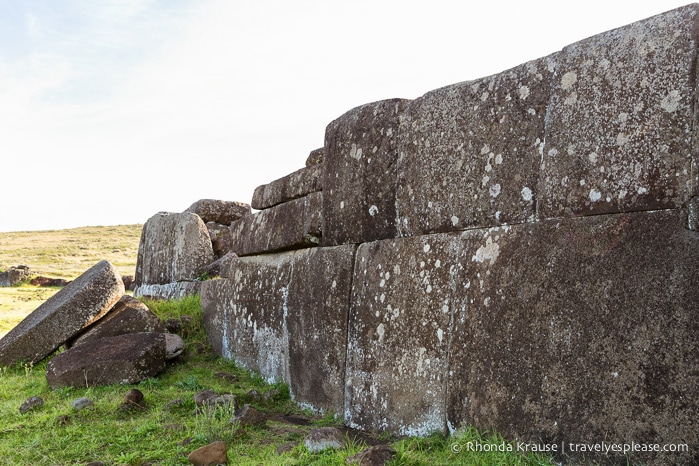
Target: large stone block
174, 247
316, 322
620, 129
293, 186
399, 329
284, 316
62, 316
469, 153
123, 359
360, 174
582, 330
291, 225
222, 212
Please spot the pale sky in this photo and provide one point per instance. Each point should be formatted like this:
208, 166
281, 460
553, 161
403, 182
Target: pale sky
114, 110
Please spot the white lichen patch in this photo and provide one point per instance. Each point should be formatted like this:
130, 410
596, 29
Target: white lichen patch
495, 190
595, 195
671, 101
373, 210
487, 252
454, 220
355, 152
524, 92
526, 194
568, 80
592, 157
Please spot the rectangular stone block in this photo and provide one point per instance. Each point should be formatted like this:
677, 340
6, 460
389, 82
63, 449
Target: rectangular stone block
291, 225
284, 316
298, 184
360, 178
621, 129
581, 330
469, 153
399, 329
63, 316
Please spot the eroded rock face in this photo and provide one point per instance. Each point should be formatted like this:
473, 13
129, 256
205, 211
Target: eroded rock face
124, 359
359, 185
63, 316
128, 315
470, 152
223, 212
285, 316
620, 129
14, 275
291, 225
173, 248
298, 184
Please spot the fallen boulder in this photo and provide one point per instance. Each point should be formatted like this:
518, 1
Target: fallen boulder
14, 275
63, 315
46, 281
129, 315
124, 359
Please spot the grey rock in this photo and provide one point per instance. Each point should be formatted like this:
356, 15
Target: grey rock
325, 438
222, 212
174, 346
14, 275
123, 359
298, 184
31, 404
315, 157
128, 315
63, 316
81, 403
291, 225
173, 248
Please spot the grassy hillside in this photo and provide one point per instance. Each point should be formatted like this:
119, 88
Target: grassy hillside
60, 254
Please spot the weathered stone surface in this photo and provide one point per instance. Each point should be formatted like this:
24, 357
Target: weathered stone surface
123, 359
223, 212
128, 315
284, 315
177, 290
14, 275
399, 329
220, 238
209, 455
63, 315
174, 345
291, 225
325, 438
173, 248
250, 416
621, 117
298, 184
316, 322
214, 269
317, 156
359, 185
469, 153
581, 331
244, 314
31, 404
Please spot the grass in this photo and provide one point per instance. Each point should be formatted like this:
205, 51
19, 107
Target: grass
169, 426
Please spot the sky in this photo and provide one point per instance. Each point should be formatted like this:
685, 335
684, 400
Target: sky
114, 110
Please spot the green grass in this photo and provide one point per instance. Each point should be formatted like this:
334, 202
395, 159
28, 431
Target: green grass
169, 427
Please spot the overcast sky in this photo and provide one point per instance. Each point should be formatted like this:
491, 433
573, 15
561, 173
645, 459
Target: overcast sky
113, 110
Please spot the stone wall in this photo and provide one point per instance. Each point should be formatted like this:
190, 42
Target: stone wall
516, 252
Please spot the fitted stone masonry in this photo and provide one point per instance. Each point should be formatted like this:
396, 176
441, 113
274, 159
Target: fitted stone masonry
517, 252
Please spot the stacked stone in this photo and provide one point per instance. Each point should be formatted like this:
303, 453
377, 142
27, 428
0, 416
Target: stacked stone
289, 214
